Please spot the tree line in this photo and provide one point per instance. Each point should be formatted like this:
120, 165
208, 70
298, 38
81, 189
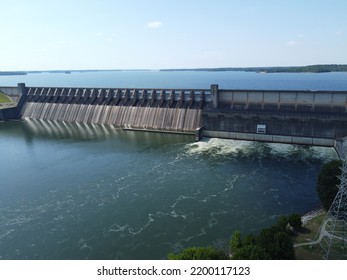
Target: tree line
272, 243
319, 68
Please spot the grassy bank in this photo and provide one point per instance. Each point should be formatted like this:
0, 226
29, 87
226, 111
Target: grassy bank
315, 252
4, 98
307, 234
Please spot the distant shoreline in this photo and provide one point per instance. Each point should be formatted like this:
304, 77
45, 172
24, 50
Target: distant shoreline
319, 68
12, 73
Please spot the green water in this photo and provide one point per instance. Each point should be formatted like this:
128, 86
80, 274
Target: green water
77, 191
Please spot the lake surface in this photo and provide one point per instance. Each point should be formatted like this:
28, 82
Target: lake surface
79, 191
184, 79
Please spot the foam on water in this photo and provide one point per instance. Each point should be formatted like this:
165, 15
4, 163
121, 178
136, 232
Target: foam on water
216, 146
226, 147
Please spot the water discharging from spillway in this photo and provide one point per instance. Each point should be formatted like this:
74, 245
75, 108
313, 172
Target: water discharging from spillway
133, 117
139, 109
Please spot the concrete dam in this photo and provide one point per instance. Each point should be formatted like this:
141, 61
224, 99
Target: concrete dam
301, 117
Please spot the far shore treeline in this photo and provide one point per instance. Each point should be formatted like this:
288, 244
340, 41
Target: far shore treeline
319, 68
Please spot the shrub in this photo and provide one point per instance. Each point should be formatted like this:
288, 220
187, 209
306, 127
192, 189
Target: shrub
199, 253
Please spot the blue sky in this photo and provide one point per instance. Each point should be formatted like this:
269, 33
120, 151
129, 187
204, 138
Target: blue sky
154, 34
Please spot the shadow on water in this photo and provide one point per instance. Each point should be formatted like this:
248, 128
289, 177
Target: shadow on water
84, 132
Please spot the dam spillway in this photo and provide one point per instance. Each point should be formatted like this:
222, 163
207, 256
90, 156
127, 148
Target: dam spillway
142, 109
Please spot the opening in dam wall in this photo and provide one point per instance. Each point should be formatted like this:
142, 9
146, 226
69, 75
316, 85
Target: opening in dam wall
152, 110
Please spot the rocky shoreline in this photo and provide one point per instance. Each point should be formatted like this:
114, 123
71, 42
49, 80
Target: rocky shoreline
312, 214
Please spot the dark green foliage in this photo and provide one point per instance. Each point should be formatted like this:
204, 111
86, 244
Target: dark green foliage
251, 252
328, 182
250, 239
272, 243
294, 220
235, 241
277, 243
266, 236
282, 248
199, 253
282, 222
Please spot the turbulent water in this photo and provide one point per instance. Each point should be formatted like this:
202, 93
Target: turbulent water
79, 191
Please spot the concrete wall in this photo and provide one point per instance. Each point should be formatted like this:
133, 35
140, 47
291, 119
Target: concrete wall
18, 95
287, 124
302, 117
11, 91
9, 114
315, 101
271, 138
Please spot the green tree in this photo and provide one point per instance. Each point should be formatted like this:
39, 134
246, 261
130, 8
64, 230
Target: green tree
282, 248
199, 253
276, 243
251, 252
327, 182
259, 253
295, 221
282, 222
235, 241
250, 239
272, 243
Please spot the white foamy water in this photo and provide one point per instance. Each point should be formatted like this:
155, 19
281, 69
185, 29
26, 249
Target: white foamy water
218, 146
225, 147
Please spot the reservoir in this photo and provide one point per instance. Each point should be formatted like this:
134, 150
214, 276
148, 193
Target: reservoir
82, 191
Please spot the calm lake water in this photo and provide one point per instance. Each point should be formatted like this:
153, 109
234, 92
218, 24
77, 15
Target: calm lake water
78, 191
184, 79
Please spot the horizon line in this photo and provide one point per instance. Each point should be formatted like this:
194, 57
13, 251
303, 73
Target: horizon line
231, 68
